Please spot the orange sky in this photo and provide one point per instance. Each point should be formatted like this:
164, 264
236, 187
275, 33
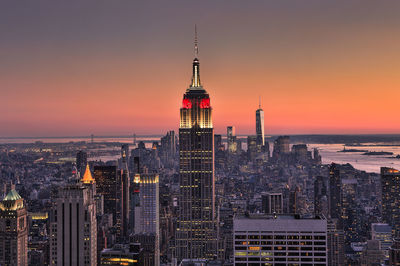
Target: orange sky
121, 68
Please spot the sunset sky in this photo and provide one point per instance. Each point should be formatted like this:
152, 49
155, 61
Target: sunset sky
73, 68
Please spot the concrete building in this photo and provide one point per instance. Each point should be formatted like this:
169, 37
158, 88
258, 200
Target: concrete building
13, 230
73, 227
272, 203
279, 240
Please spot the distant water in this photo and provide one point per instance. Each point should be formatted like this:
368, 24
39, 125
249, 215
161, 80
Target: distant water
368, 163
329, 152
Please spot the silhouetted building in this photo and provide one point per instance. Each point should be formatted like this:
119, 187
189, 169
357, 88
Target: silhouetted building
252, 147
335, 188
81, 161
196, 223
321, 196
107, 185
390, 180
13, 230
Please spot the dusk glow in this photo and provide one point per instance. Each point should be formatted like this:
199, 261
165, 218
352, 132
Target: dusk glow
112, 68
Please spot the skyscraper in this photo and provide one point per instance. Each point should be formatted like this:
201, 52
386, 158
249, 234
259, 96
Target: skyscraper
106, 182
196, 224
147, 217
81, 161
260, 126
335, 188
390, 179
73, 226
13, 230
321, 200
231, 139
272, 203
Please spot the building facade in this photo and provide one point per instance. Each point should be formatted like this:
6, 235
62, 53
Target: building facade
73, 226
279, 240
196, 223
13, 230
260, 127
390, 180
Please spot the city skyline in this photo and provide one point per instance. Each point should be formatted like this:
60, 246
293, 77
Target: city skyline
319, 68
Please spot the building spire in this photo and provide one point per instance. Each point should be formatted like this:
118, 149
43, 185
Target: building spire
196, 47
196, 63
259, 102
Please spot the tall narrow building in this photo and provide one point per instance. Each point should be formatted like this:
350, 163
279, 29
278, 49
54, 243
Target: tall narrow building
335, 191
196, 225
260, 126
390, 179
13, 230
73, 226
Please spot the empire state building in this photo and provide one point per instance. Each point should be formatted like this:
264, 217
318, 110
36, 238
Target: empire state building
196, 228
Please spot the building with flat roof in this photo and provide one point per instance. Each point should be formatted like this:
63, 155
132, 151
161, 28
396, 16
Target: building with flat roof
261, 239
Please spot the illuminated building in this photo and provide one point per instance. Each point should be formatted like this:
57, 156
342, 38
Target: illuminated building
272, 203
13, 230
196, 223
123, 193
335, 244
390, 179
121, 254
260, 126
231, 139
147, 215
382, 233
279, 240
335, 188
73, 225
106, 184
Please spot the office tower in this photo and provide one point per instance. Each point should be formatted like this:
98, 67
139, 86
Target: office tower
13, 230
168, 147
252, 147
272, 203
321, 196
390, 179
196, 224
281, 147
147, 215
134, 201
336, 253
335, 187
260, 126
123, 203
383, 233
279, 240
106, 184
73, 225
231, 139
394, 253
81, 161
350, 217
